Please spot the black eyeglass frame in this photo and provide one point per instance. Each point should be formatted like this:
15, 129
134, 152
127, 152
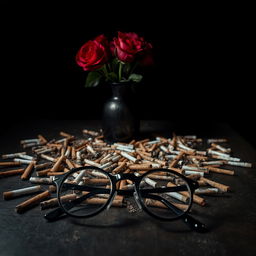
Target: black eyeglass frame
114, 178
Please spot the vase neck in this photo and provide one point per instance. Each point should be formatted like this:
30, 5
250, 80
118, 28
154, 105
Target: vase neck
119, 91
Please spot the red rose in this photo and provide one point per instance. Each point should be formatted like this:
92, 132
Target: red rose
93, 54
128, 46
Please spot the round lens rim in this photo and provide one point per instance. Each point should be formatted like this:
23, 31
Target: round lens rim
145, 208
102, 208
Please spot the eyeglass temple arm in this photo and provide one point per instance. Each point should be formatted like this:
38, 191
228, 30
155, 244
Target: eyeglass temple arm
194, 224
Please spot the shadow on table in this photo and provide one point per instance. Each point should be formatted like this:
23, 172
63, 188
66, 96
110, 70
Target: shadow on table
120, 223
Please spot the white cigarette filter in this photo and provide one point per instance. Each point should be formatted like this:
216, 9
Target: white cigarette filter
106, 165
79, 177
194, 172
129, 157
37, 180
129, 146
213, 163
22, 191
178, 196
241, 164
200, 191
209, 141
91, 163
7, 156
193, 168
90, 149
150, 182
125, 149
23, 161
164, 149
213, 152
26, 157
37, 141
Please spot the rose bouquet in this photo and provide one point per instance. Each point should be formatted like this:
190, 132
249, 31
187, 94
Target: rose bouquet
114, 61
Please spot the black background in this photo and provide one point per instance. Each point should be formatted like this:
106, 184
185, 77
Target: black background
202, 71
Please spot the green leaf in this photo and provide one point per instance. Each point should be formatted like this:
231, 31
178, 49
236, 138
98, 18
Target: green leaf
93, 79
135, 78
112, 76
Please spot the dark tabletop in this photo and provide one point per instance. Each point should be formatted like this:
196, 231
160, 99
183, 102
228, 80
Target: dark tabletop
231, 218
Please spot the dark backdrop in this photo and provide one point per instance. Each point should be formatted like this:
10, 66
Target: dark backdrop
202, 70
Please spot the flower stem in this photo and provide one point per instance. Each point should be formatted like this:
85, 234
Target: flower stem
120, 71
133, 68
105, 71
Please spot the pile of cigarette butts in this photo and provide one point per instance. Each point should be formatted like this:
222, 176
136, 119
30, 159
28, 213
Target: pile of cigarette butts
182, 154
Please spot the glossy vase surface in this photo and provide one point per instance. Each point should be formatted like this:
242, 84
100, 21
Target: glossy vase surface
120, 121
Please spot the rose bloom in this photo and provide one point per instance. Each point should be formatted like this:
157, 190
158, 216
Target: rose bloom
129, 46
93, 54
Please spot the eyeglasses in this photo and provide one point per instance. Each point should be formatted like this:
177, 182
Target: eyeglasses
163, 194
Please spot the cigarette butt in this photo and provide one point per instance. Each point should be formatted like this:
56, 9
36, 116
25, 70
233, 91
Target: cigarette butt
194, 176
32, 201
6, 164
50, 173
54, 201
215, 184
206, 191
225, 150
222, 171
69, 163
11, 173
36, 180
140, 141
7, 156
41, 166
176, 170
18, 192
152, 148
219, 140
160, 177
73, 153
89, 132
139, 166
118, 185
154, 203
100, 181
43, 172
115, 202
58, 163
203, 158
42, 139
119, 168
176, 160
129, 157
62, 152
198, 200
49, 158
54, 145
241, 164
122, 184
67, 135
52, 188
27, 171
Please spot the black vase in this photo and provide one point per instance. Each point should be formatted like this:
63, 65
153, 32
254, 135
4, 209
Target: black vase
120, 122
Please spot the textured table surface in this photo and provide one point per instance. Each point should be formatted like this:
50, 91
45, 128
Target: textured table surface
231, 218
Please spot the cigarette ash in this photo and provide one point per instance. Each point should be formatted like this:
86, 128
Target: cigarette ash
187, 155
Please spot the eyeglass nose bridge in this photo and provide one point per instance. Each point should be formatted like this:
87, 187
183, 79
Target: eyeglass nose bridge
125, 176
